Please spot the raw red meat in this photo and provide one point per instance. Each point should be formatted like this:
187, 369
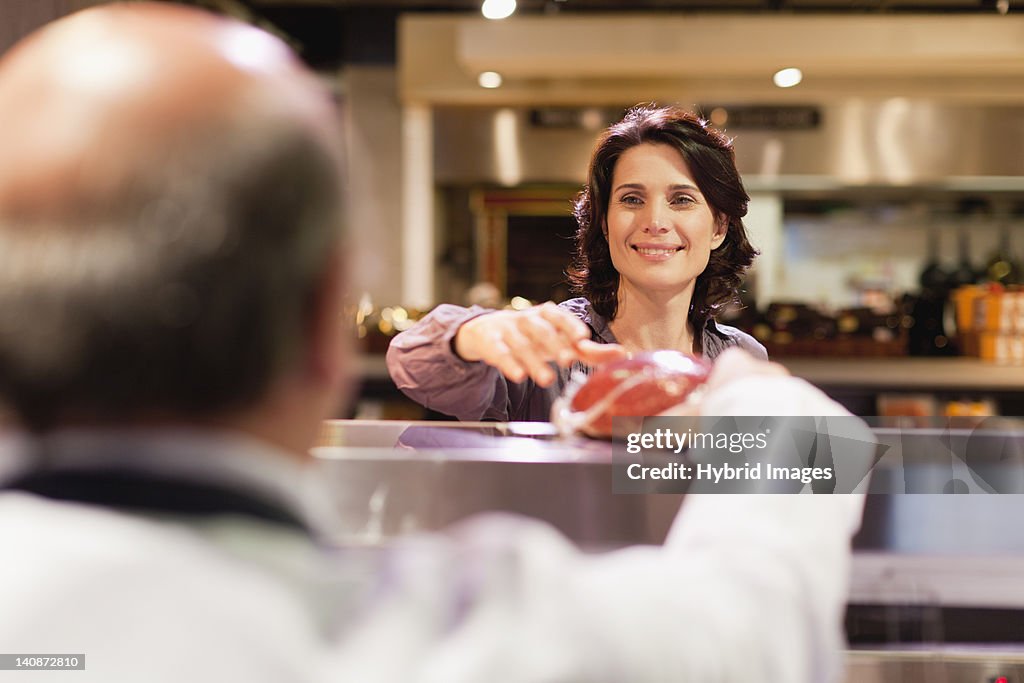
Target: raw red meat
647, 383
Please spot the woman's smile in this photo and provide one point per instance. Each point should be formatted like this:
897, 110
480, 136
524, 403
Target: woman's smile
657, 252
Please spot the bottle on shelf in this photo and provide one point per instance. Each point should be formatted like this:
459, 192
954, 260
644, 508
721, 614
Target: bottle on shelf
934, 278
925, 312
975, 212
1001, 266
964, 273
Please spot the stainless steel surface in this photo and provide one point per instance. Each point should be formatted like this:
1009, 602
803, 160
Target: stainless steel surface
399, 477
884, 142
926, 568
950, 664
392, 477
964, 580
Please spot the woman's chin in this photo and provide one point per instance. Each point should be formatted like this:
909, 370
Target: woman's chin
662, 287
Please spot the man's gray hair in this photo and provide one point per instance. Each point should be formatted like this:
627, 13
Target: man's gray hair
182, 289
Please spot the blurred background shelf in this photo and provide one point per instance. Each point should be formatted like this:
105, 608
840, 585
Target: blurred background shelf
952, 374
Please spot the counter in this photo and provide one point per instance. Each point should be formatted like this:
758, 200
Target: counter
394, 477
936, 590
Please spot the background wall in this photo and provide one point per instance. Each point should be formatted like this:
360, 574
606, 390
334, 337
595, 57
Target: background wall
20, 17
373, 131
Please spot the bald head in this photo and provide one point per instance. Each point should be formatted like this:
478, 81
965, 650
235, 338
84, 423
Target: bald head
93, 97
168, 199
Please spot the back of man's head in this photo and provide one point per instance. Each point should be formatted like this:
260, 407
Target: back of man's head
168, 203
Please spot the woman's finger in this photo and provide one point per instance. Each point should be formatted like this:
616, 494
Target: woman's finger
503, 358
570, 330
529, 357
565, 322
547, 340
593, 353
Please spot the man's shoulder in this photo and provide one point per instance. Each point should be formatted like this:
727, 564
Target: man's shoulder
145, 602
80, 543
76, 559
86, 535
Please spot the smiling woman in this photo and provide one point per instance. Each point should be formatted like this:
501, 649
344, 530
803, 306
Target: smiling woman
686, 173
660, 249
660, 232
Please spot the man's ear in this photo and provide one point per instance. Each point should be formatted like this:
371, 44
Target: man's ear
721, 230
329, 333
318, 386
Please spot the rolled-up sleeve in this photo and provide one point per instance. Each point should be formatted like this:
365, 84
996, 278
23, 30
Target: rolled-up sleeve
424, 367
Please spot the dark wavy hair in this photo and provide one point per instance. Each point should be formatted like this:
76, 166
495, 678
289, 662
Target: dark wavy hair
711, 159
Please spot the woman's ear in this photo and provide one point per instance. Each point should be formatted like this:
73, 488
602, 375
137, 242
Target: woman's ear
721, 230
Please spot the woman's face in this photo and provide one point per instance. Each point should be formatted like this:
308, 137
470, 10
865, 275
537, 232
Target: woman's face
659, 227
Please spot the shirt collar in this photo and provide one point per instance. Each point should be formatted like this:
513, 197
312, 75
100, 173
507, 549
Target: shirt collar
222, 458
599, 324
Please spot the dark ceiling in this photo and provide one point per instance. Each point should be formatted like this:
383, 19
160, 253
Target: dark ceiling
662, 5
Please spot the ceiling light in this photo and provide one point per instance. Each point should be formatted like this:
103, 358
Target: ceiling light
489, 79
787, 78
498, 9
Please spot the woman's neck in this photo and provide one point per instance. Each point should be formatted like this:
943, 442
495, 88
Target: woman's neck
649, 322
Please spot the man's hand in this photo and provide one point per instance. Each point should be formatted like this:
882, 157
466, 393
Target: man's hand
731, 365
735, 363
521, 344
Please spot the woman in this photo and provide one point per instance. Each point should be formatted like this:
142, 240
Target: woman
660, 249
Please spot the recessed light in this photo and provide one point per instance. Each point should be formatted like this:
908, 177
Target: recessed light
498, 9
787, 78
489, 79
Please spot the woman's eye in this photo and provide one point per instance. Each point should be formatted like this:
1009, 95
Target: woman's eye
631, 200
683, 199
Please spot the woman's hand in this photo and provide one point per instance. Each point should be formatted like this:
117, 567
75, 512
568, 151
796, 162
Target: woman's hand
521, 344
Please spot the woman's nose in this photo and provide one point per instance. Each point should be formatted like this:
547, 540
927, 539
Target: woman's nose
657, 224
